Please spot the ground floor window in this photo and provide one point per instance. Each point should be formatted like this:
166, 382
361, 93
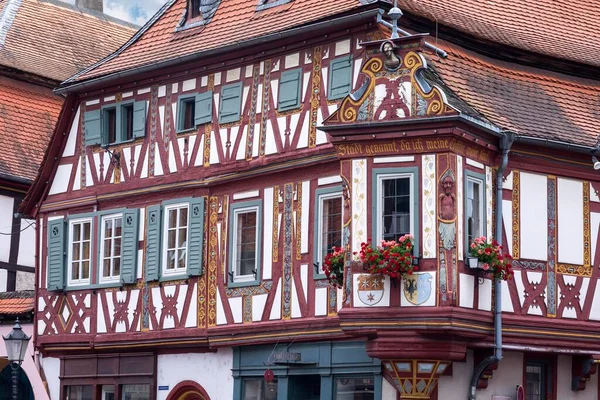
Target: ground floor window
539, 379
355, 388
259, 389
79, 392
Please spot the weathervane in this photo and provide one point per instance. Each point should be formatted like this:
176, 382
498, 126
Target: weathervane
395, 13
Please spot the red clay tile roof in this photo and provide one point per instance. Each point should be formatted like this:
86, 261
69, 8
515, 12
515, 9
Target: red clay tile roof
14, 303
566, 29
530, 101
234, 21
56, 40
28, 114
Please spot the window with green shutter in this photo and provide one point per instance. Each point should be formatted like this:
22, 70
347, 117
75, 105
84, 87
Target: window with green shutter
116, 123
231, 103
194, 110
245, 243
153, 241
56, 254
204, 107
289, 90
118, 239
340, 77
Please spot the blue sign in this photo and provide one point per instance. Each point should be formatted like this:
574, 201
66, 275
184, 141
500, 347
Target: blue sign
163, 388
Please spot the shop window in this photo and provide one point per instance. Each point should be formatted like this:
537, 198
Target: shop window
539, 379
107, 392
79, 392
355, 388
246, 220
395, 194
475, 215
259, 389
80, 240
135, 392
328, 222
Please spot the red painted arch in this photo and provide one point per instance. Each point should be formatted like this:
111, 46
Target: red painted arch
188, 390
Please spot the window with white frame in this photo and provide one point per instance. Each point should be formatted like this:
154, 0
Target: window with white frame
176, 234
329, 229
79, 251
110, 247
475, 210
395, 208
245, 244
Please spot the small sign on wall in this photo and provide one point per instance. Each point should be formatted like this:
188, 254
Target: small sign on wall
163, 388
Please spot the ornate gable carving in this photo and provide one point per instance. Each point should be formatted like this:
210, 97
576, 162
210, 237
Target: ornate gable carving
392, 86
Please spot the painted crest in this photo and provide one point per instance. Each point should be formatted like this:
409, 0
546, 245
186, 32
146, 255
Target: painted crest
417, 288
370, 289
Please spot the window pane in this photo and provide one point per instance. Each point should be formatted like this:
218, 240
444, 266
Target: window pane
535, 381
188, 117
116, 266
117, 223
354, 389
183, 214
172, 235
86, 251
108, 227
75, 251
85, 267
86, 230
182, 237
395, 216
108, 392
331, 228
117, 249
106, 268
76, 232
79, 392
107, 248
474, 220
75, 270
246, 243
127, 121
136, 392
111, 125
258, 389
172, 218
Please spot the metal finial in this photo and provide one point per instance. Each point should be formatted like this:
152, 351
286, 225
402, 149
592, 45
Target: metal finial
395, 13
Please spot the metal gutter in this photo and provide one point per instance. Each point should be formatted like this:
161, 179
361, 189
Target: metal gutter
16, 179
350, 19
555, 144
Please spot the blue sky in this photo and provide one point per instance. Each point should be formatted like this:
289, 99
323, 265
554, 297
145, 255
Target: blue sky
135, 11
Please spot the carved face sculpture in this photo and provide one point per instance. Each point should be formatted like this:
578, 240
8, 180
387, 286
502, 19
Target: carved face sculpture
447, 184
392, 62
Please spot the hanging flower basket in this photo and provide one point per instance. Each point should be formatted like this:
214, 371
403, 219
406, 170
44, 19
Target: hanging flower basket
488, 257
392, 258
333, 266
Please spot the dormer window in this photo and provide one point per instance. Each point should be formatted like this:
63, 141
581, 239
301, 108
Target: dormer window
194, 8
266, 4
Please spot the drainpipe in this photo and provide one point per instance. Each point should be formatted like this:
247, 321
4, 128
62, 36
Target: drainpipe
505, 144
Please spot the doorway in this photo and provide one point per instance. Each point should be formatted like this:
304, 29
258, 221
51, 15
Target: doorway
305, 387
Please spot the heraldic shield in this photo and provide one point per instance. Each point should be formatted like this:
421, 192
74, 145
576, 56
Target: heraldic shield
370, 289
417, 288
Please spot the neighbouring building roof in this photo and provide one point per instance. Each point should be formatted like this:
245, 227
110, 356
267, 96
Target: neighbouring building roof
50, 40
530, 101
28, 114
15, 303
56, 40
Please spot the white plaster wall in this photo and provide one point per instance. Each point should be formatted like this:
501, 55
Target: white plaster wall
51, 367
60, 184
25, 281
212, 371
506, 378
3, 280
534, 216
6, 221
563, 382
388, 392
26, 255
570, 221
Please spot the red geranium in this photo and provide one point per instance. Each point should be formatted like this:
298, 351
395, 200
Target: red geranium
390, 258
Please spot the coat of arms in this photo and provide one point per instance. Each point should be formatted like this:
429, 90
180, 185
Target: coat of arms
370, 289
417, 288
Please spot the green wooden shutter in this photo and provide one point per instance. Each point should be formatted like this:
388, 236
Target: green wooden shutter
289, 90
153, 239
340, 78
56, 254
203, 108
92, 121
196, 237
231, 102
139, 119
129, 246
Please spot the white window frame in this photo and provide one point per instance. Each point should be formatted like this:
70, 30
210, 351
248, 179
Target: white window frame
320, 232
380, 178
165, 239
250, 277
482, 210
80, 281
111, 278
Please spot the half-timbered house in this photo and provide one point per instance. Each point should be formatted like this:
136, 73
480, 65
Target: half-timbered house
41, 44
200, 174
